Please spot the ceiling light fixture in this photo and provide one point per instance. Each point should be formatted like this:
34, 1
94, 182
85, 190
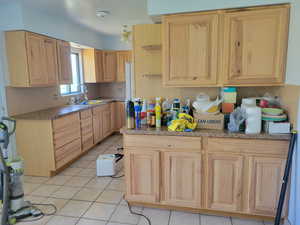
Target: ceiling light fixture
126, 34
102, 13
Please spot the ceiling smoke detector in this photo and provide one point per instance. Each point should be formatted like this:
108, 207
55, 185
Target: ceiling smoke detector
102, 13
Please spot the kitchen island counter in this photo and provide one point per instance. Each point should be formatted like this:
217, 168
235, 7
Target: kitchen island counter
203, 133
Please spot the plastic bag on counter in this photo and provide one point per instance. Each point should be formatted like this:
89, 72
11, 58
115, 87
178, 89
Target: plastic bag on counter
237, 117
203, 104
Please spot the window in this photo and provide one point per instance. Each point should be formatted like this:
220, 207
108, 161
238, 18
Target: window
77, 86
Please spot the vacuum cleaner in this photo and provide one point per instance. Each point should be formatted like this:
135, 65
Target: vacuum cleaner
15, 208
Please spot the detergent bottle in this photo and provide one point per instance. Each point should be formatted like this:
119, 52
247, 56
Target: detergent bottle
144, 113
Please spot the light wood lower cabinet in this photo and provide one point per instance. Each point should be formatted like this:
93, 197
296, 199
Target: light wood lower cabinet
182, 178
216, 175
87, 134
224, 182
143, 175
266, 178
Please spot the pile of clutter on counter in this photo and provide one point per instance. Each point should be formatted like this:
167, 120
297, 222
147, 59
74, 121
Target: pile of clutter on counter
251, 116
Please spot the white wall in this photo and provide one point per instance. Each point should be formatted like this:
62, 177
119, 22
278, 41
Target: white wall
159, 7
60, 28
115, 43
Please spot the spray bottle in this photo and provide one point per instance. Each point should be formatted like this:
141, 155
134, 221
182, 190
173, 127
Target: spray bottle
158, 112
144, 114
137, 110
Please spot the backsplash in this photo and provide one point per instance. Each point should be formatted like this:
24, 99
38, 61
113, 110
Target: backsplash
112, 90
24, 100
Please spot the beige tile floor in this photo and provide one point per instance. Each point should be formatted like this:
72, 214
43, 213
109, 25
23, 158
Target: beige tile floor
82, 198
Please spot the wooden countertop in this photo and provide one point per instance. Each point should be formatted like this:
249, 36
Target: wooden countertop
56, 112
202, 132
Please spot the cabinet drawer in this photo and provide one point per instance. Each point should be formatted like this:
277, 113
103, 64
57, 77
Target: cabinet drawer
68, 152
97, 110
85, 114
66, 135
65, 121
248, 146
163, 142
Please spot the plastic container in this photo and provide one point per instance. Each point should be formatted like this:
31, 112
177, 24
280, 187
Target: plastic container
253, 119
144, 113
158, 113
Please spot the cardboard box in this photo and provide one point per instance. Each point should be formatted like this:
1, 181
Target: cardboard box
208, 121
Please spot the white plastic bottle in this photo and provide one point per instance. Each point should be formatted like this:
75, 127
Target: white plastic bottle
253, 120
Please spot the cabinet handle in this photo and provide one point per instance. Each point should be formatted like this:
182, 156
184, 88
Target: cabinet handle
169, 145
194, 78
238, 43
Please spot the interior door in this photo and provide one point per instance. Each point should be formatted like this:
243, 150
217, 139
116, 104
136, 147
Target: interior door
36, 59
182, 178
255, 45
266, 179
110, 66
51, 60
191, 47
224, 181
64, 62
142, 175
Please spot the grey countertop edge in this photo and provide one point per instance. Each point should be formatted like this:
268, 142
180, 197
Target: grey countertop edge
205, 133
59, 111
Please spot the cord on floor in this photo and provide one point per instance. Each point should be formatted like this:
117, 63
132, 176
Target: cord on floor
135, 213
42, 215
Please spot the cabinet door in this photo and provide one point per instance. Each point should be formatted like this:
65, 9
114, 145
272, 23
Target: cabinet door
120, 115
123, 57
36, 60
190, 54
99, 65
182, 178
224, 182
97, 125
266, 179
113, 116
110, 66
142, 175
255, 46
51, 60
64, 62
106, 121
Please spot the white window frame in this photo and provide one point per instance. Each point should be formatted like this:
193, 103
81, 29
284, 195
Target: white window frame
80, 70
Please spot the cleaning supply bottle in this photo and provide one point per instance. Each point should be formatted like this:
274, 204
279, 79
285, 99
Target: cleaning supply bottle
137, 110
158, 112
130, 114
144, 113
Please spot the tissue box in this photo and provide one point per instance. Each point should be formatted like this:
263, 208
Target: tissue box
277, 127
209, 121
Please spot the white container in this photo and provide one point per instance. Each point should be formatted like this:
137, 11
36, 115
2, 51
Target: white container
253, 120
107, 165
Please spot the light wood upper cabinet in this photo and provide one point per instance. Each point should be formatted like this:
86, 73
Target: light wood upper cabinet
64, 62
224, 182
123, 57
190, 49
255, 46
51, 60
36, 52
147, 60
142, 175
182, 178
32, 59
109, 66
266, 175
92, 65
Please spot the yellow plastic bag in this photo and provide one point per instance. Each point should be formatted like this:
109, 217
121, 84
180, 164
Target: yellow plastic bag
184, 123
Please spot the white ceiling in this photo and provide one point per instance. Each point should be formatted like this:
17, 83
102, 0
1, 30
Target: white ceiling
128, 12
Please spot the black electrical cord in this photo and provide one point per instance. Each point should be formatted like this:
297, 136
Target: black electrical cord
135, 213
33, 205
116, 177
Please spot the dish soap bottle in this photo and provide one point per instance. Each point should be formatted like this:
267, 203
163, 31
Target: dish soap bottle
158, 113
